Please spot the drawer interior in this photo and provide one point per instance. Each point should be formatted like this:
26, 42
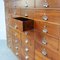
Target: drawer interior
21, 18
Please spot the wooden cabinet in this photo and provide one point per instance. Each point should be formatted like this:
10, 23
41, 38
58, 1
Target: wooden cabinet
33, 29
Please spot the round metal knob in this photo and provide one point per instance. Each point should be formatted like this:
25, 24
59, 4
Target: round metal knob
26, 33
16, 41
26, 49
45, 18
26, 4
26, 15
26, 41
45, 30
16, 47
45, 5
17, 53
26, 57
44, 52
44, 41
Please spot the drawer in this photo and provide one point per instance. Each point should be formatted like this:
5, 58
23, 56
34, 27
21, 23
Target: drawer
39, 56
24, 24
17, 47
47, 41
25, 4
28, 13
47, 4
49, 15
47, 28
28, 38
47, 52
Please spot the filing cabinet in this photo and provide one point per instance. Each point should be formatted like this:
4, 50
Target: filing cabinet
33, 29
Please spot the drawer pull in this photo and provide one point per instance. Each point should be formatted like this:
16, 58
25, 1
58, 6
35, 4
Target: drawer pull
27, 57
16, 41
26, 4
26, 41
26, 15
44, 52
45, 18
26, 49
17, 53
45, 5
45, 30
26, 33
44, 41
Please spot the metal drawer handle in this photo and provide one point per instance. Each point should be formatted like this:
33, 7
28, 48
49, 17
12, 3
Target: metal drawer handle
44, 41
44, 52
26, 4
26, 33
26, 49
27, 57
26, 41
17, 53
45, 5
26, 15
45, 18
45, 30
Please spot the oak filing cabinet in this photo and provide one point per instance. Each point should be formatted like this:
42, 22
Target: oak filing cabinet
33, 28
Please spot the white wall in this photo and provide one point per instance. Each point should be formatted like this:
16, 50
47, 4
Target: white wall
2, 21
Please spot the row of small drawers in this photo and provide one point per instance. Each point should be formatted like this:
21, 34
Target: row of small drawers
48, 47
22, 47
42, 26
36, 3
50, 15
48, 28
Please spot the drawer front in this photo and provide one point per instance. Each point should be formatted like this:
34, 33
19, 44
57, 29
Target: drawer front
39, 56
47, 41
47, 52
47, 4
49, 15
29, 13
47, 28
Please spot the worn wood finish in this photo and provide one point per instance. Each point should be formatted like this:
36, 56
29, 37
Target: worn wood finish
42, 44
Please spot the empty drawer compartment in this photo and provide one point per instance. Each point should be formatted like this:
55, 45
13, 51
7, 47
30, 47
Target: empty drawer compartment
24, 24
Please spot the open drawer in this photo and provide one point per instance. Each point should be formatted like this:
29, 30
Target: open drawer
24, 24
